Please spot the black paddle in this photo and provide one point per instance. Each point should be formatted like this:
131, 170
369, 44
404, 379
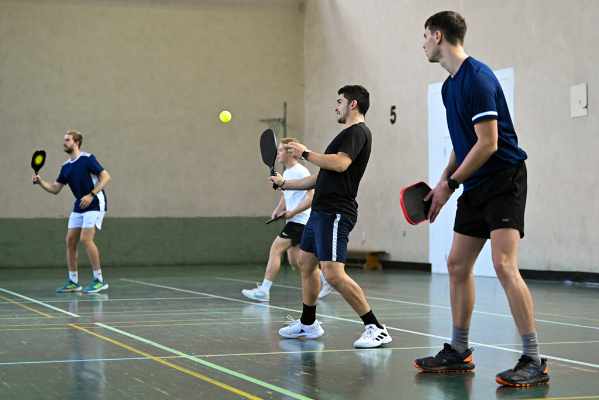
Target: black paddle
278, 217
268, 150
37, 161
413, 206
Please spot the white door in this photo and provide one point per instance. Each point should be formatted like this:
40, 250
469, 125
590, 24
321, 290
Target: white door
439, 148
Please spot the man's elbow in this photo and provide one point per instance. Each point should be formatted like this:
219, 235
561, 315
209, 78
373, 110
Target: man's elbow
106, 176
342, 167
489, 148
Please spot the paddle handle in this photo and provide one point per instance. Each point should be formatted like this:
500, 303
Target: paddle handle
273, 173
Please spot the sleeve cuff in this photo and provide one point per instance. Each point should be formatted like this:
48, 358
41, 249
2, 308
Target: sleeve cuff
484, 116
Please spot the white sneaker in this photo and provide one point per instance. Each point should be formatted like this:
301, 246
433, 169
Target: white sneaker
373, 337
296, 329
257, 294
325, 289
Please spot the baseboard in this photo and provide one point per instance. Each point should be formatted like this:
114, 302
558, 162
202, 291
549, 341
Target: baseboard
557, 276
393, 265
561, 276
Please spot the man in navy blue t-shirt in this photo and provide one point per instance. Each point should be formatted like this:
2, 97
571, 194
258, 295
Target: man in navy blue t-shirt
87, 179
488, 161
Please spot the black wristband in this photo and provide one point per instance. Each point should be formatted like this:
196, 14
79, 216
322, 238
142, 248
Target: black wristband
305, 155
452, 183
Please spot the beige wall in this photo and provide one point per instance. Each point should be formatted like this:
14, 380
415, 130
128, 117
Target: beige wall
144, 80
551, 46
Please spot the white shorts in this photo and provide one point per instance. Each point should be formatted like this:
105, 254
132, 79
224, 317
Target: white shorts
87, 219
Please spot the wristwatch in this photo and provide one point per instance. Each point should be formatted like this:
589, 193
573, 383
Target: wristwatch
452, 183
305, 155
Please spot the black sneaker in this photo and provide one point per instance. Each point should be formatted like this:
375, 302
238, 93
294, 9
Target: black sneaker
526, 373
447, 360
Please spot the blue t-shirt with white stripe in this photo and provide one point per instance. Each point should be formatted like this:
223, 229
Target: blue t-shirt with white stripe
473, 95
81, 174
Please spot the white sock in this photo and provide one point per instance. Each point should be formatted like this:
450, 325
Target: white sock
98, 274
266, 284
74, 276
323, 280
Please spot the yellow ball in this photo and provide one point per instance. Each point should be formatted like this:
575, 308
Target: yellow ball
225, 116
38, 160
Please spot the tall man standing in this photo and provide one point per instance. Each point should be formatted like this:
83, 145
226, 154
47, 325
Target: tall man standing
487, 160
334, 214
87, 179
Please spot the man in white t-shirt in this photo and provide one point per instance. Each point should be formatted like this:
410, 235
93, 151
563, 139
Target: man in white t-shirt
295, 205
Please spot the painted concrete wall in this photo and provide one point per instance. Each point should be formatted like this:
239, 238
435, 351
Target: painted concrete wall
550, 46
144, 81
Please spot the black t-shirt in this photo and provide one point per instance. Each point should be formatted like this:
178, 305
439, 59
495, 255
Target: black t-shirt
336, 192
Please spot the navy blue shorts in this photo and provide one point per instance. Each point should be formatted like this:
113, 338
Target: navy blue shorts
326, 236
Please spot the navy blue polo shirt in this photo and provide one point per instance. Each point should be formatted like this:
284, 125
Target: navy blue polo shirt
473, 95
81, 174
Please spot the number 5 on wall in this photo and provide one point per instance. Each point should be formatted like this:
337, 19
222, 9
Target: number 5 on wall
393, 118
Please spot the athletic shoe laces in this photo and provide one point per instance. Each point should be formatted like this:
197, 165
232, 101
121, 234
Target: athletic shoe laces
371, 332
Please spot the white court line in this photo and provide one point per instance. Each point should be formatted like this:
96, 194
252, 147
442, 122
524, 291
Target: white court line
444, 338
41, 303
434, 306
100, 300
550, 343
208, 364
165, 311
270, 353
84, 360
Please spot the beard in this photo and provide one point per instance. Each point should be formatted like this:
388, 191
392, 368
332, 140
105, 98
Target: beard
342, 119
68, 150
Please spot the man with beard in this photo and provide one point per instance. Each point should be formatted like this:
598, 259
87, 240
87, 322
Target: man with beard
334, 214
87, 179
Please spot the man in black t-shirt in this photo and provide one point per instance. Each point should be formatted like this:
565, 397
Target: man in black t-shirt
334, 214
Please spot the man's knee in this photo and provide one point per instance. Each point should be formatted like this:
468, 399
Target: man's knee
72, 241
458, 270
507, 272
87, 239
279, 246
306, 261
335, 276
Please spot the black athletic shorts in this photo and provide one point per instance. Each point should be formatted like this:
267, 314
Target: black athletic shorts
499, 202
292, 231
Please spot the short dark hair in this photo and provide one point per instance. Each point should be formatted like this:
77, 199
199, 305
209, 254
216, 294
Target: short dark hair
357, 93
450, 23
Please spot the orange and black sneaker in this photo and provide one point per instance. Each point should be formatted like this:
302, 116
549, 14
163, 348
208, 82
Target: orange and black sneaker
447, 360
526, 373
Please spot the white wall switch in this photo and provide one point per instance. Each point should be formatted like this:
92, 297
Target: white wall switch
579, 106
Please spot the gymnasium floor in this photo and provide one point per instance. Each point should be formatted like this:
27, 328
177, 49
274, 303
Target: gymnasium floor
181, 333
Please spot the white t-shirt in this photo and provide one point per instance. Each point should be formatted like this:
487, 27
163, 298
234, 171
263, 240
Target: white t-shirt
294, 197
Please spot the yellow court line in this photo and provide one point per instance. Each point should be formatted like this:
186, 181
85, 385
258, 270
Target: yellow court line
25, 307
169, 364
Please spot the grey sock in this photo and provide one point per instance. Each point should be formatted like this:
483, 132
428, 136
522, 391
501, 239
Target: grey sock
459, 339
530, 346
